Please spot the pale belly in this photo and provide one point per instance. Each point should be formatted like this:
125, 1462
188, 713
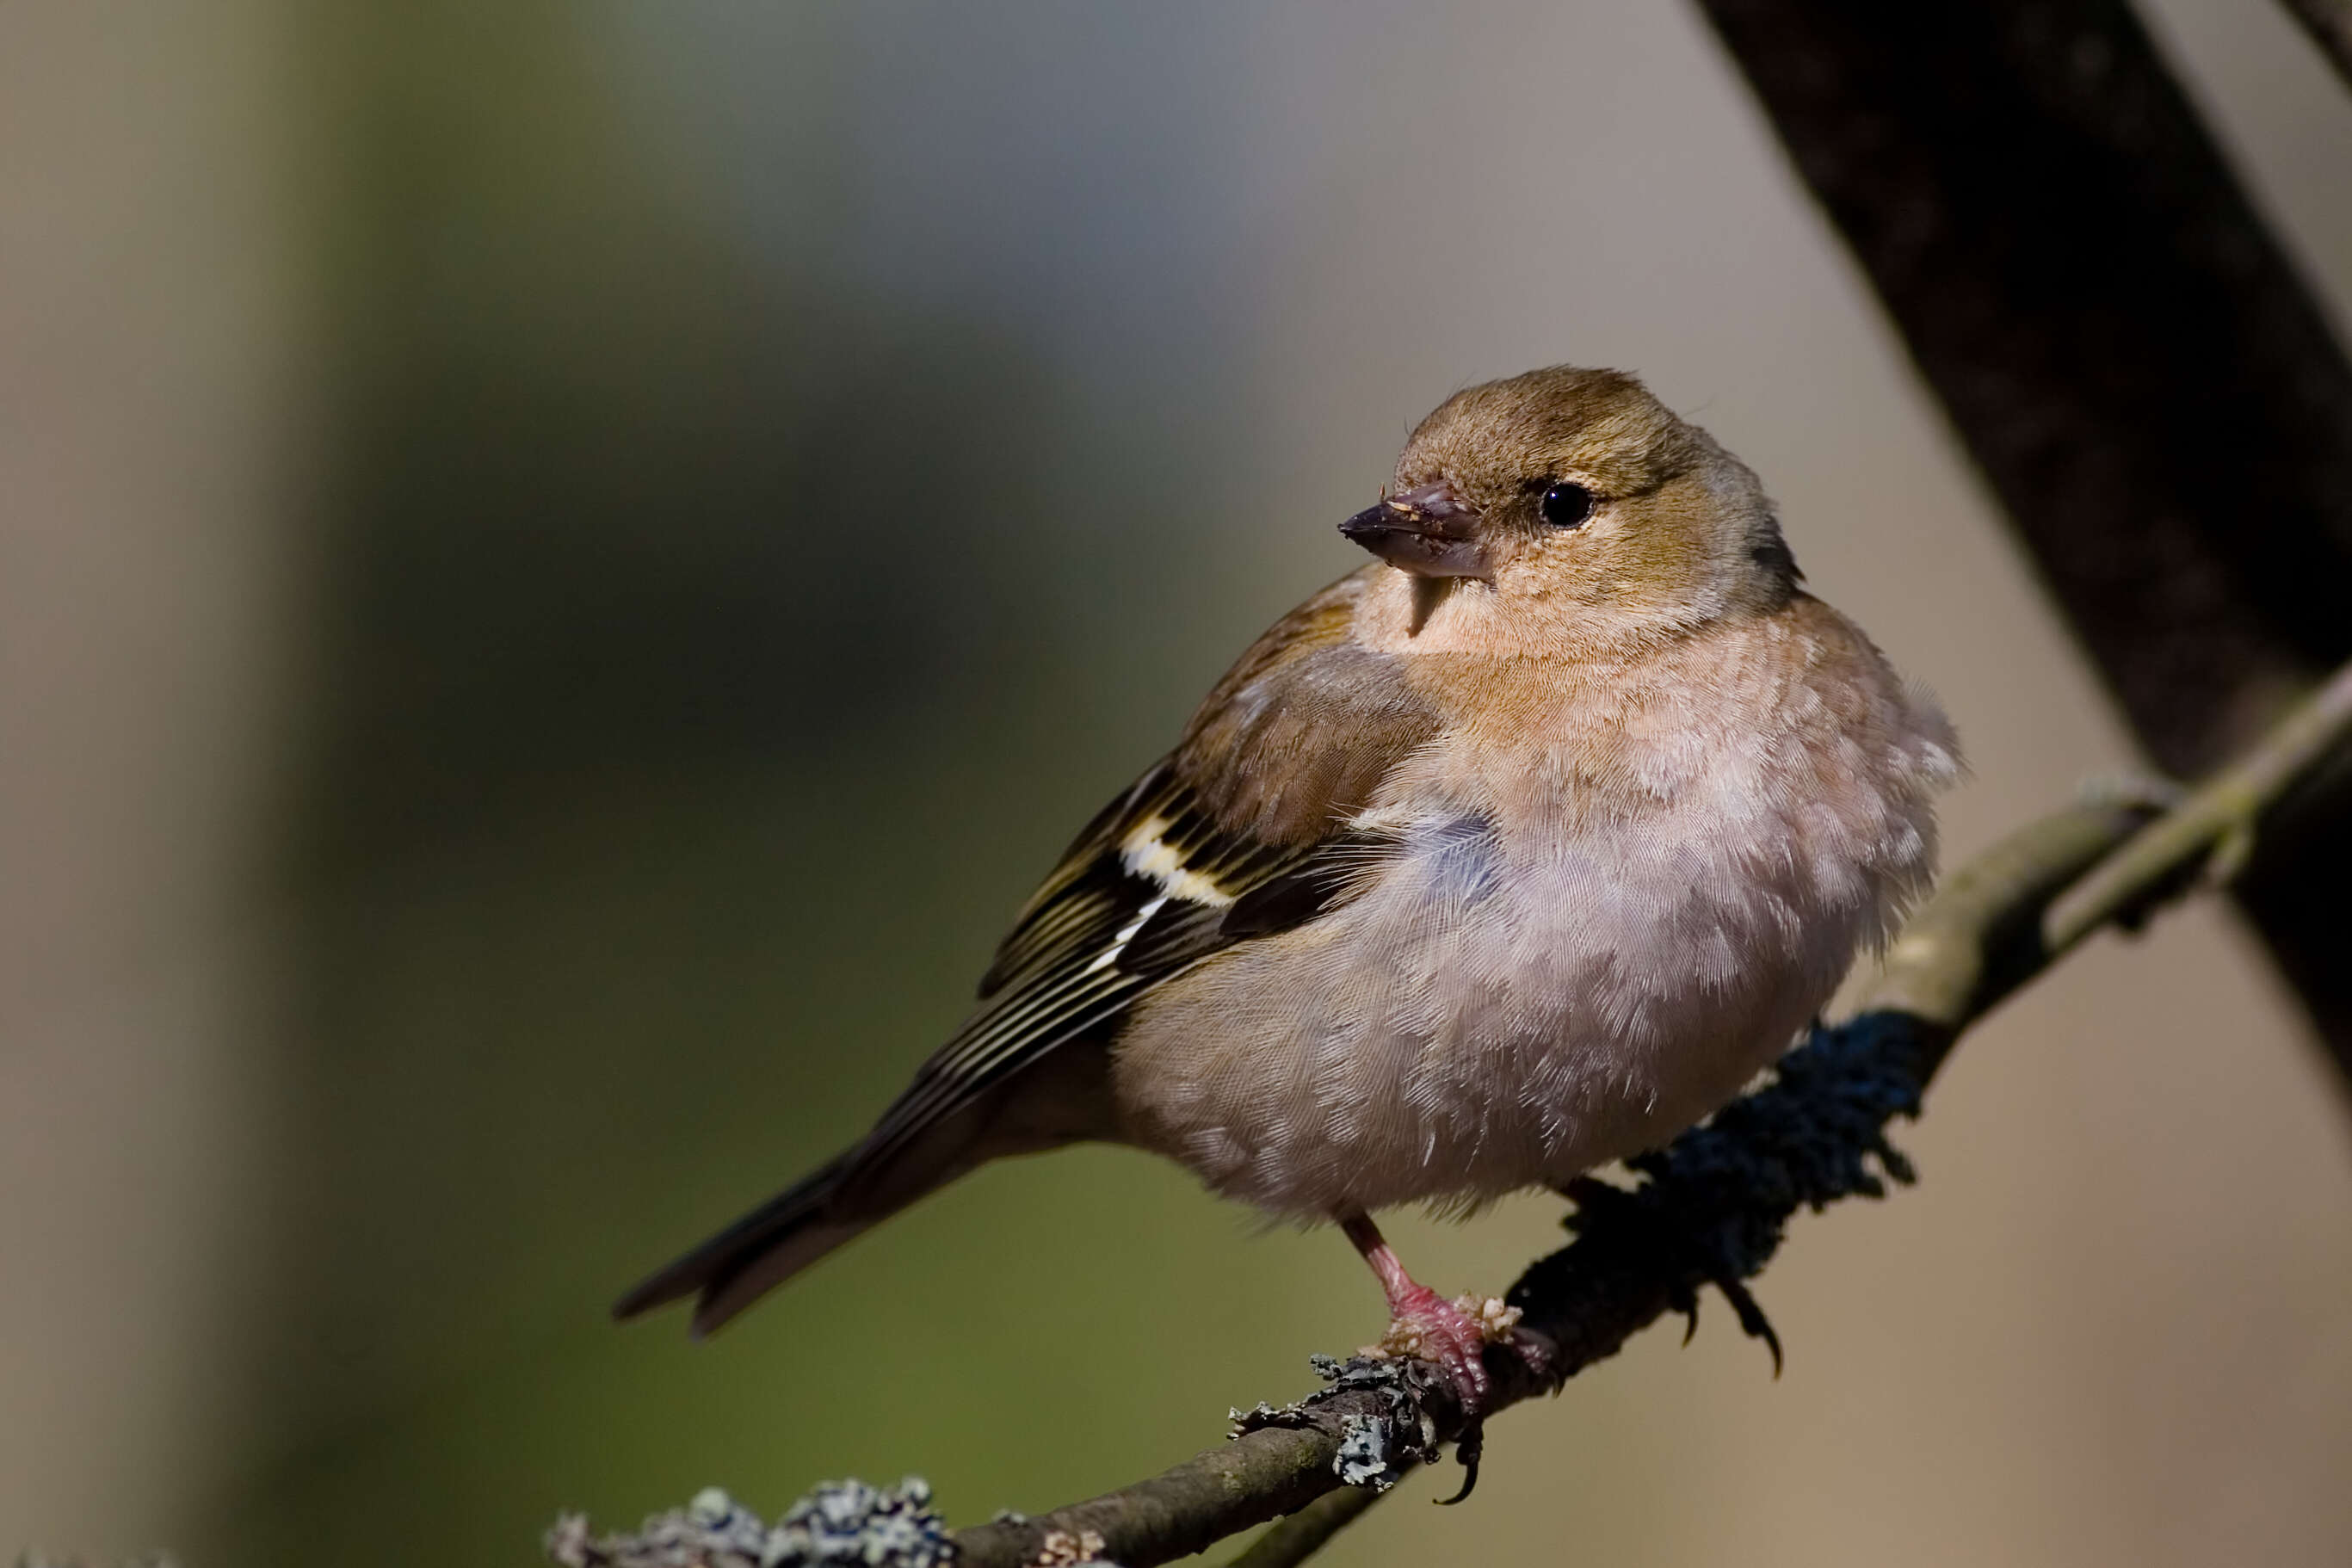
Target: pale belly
1482, 1019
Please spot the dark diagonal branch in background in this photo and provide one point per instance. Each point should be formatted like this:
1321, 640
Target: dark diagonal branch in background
2149, 388
2162, 408
1708, 1210
2211, 833
2329, 23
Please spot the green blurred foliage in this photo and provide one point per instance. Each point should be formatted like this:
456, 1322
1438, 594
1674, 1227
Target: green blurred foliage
712, 649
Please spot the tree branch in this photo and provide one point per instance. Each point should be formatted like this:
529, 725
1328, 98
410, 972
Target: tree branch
2329, 23
2158, 401
1709, 1209
2212, 833
1306, 1532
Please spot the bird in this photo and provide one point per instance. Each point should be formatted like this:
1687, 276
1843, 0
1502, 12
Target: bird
1514, 852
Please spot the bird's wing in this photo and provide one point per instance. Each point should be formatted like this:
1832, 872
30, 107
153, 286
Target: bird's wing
1243, 831
1153, 887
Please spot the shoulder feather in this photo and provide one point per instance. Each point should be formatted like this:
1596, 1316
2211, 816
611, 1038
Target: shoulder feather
1241, 831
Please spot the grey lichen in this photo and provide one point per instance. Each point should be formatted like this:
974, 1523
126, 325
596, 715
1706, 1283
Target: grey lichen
1375, 1449
838, 1523
1365, 1460
1072, 1549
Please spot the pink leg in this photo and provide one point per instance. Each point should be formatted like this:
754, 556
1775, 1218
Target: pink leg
1426, 1325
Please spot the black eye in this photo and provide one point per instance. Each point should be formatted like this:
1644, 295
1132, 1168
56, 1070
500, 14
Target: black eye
1566, 505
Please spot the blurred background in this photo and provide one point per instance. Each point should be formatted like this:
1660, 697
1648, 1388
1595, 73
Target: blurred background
562, 568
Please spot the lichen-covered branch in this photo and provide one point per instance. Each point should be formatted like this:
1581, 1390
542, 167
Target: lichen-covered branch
2158, 400
2213, 832
1709, 1210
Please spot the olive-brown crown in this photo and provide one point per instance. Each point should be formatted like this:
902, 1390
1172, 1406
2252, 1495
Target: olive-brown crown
1671, 530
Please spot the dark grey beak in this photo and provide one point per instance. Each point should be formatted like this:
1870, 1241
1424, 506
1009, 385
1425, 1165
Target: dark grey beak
1429, 532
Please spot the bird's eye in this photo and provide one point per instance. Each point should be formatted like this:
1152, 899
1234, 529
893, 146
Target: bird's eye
1566, 505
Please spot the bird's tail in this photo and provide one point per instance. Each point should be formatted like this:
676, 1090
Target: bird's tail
757, 1253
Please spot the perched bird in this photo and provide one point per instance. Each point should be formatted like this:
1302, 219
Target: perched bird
1516, 851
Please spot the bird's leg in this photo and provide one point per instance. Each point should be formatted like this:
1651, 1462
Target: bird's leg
1451, 1335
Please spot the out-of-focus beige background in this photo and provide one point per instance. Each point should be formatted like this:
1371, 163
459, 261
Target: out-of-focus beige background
562, 565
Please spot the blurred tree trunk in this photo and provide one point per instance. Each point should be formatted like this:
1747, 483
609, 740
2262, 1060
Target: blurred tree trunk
2129, 355
2329, 23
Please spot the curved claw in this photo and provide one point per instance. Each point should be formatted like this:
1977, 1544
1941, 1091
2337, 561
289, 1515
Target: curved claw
1468, 1448
1752, 1321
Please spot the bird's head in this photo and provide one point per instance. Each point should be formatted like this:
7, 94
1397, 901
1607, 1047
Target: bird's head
1571, 503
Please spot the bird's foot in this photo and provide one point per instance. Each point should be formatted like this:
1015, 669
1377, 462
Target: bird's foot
1452, 1336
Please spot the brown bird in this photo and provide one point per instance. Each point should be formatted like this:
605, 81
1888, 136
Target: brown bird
1514, 852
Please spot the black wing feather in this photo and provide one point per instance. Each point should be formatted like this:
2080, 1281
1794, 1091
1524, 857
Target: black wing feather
1307, 886
1104, 929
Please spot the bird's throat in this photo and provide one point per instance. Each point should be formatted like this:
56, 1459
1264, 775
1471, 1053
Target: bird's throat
1428, 592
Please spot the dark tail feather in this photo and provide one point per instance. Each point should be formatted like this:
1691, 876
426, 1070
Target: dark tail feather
755, 1255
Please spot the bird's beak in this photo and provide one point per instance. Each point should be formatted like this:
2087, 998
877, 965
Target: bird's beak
1429, 532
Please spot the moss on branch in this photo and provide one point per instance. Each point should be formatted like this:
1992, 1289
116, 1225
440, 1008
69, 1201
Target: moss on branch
1711, 1207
